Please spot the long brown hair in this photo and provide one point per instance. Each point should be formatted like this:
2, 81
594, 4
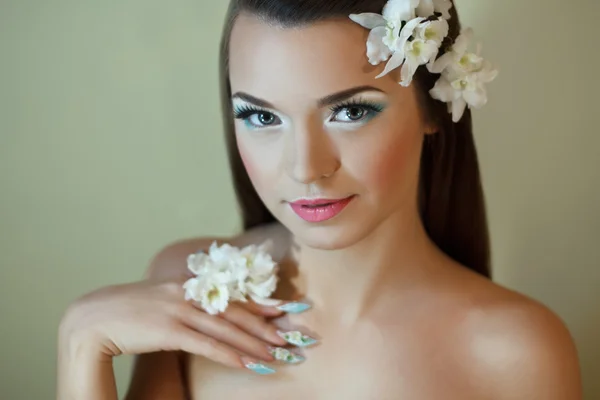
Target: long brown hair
451, 200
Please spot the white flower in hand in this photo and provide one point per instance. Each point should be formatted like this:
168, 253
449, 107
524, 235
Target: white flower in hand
228, 273
262, 275
426, 8
260, 288
463, 79
212, 294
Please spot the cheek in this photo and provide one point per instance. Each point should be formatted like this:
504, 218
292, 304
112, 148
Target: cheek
259, 164
389, 166
246, 160
392, 166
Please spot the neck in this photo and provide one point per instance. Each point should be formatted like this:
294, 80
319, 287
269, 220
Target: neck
347, 281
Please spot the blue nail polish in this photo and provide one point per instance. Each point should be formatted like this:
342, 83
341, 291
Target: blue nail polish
260, 369
294, 308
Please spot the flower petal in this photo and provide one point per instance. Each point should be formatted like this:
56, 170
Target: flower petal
443, 90
443, 6
409, 29
461, 44
458, 109
400, 10
441, 63
408, 71
425, 8
368, 20
377, 50
394, 62
476, 98
429, 51
487, 73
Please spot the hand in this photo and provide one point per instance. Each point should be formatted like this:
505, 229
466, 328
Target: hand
150, 316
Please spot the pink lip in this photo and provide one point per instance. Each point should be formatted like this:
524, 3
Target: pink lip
317, 210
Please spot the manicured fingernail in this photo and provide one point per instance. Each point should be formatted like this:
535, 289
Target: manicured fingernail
297, 338
285, 355
259, 368
294, 307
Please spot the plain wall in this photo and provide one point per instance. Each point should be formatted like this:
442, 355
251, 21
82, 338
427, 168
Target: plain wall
111, 147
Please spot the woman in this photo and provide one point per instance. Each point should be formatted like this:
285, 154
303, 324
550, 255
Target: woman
372, 195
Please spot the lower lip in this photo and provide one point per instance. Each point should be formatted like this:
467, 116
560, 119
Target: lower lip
321, 213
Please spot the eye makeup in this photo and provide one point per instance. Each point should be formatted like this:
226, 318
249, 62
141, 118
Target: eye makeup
255, 117
356, 111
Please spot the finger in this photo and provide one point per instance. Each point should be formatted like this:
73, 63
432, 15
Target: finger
261, 310
228, 333
253, 324
197, 343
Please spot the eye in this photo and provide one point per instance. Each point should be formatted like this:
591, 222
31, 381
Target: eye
255, 117
353, 112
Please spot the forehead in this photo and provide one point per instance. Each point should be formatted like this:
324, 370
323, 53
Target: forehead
311, 61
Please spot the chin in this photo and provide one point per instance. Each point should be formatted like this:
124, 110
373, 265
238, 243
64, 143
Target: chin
328, 237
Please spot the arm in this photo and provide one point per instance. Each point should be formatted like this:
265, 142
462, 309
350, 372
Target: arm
159, 375
83, 373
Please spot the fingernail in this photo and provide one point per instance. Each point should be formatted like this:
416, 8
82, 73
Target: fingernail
297, 338
282, 354
294, 307
257, 367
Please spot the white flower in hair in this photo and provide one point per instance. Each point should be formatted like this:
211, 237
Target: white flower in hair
429, 7
421, 50
463, 78
410, 33
398, 33
228, 273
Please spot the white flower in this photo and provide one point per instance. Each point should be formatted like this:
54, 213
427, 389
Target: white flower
262, 277
212, 294
463, 79
426, 8
224, 255
228, 273
433, 31
424, 47
385, 28
400, 10
411, 42
197, 263
458, 56
262, 286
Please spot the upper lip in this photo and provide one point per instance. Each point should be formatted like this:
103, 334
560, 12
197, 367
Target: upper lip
305, 201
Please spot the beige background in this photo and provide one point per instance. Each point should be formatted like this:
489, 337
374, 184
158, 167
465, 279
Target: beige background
111, 147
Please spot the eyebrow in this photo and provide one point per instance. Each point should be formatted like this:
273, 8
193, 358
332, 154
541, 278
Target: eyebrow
327, 100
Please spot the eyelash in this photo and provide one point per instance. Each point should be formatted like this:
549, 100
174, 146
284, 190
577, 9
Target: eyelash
372, 108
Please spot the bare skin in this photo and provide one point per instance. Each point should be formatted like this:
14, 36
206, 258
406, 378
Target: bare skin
396, 318
452, 335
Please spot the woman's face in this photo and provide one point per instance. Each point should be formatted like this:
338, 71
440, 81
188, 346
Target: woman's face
312, 122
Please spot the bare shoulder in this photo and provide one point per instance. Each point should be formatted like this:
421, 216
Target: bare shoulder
518, 348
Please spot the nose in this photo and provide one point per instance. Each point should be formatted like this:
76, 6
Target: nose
311, 155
